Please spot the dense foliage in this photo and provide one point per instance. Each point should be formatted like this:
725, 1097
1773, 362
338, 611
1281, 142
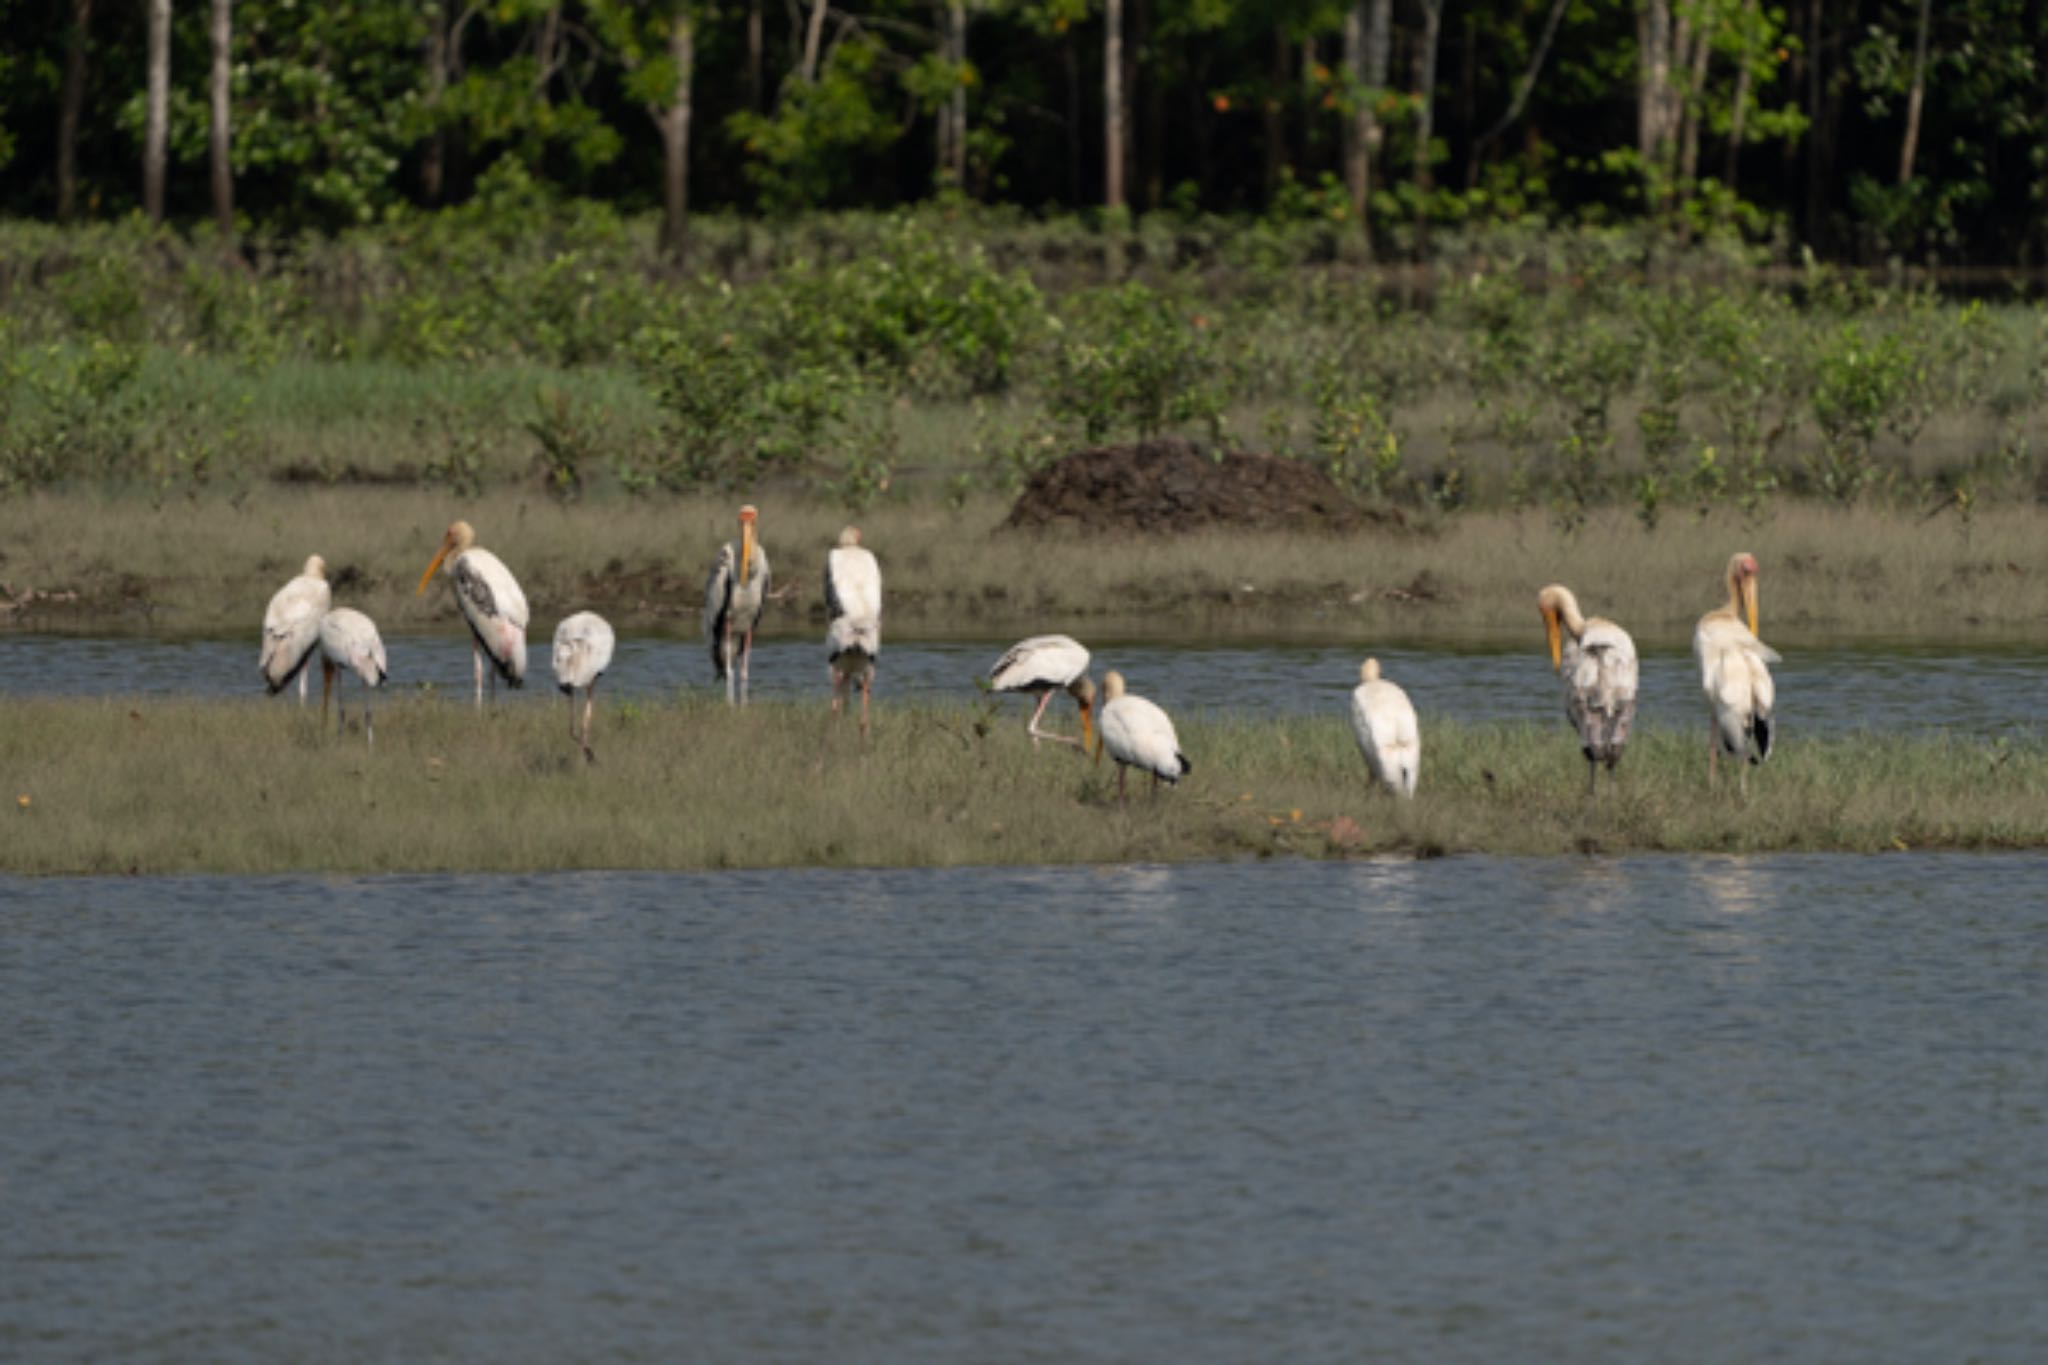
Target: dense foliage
1785, 120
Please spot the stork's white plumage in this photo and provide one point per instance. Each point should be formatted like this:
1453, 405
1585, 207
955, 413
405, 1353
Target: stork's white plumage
1042, 666
349, 643
733, 598
853, 608
583, 651
1383, 720
491, 603
291, 626
1735, 673
1138, 734
1597, 661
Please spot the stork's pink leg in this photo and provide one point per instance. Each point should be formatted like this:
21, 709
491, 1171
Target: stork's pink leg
1045, 700
865, 684
476, 658
589, 701
746, 660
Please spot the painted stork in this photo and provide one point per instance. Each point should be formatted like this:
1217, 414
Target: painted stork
583, 651
853, 604
1042, 666
291, 626
1597, 661
1383, 720
491, 603
349, 643
1138, 734
733, 598
1735, 673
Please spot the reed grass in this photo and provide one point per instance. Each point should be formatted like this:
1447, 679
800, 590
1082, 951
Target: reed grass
211, 564
114, 786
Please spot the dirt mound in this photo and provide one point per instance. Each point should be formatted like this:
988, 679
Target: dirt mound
1168, 486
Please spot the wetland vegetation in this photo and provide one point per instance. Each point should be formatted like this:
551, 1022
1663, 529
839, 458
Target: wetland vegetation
252, 787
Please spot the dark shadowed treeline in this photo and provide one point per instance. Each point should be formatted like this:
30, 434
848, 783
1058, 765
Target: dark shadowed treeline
1866, 129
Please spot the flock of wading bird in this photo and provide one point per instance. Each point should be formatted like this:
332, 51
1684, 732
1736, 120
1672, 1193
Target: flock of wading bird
1595, 658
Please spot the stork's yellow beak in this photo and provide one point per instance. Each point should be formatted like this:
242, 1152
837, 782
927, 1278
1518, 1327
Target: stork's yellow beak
1749, 602
1551, 628
427, 577
746, 549
1090, 739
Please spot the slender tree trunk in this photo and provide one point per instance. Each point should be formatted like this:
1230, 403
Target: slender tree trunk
1816, 142
1523, 88
1425, 116
1113, 104
814, 37
220, 142
675, 138
1653, 39
1151, 140
1071, 60
157, 126
1275, 138
434, 57
71, 105
1366, 31
754, 91
1309, 94
1738, 116
956, 104
1693, 106
1915, 98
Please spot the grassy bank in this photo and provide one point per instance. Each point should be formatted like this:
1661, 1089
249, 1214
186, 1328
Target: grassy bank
88, 562
249, 787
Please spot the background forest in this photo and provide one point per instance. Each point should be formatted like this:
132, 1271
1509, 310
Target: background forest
1863, 129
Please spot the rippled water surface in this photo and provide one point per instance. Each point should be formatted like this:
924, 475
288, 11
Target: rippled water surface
1982, 690
1476, 1109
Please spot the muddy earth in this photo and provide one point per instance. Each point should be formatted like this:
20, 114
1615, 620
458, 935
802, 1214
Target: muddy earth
1169, 485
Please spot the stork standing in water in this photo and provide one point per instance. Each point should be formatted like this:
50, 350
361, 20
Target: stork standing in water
1597, 661
349, 642
1042, 666
491, 603
1735, 673
583, 651
733, 598
853, 602
1138, 735
291, 626
1383, 720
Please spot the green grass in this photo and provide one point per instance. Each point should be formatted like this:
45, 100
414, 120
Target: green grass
212, 563
254, 787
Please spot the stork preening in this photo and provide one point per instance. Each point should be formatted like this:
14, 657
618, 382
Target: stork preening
1138, 734
291, 627
583, 651
853, 607
1597, 661
491, 603
733, 598
349, 643
1383, 720
1042, 666
1735, 673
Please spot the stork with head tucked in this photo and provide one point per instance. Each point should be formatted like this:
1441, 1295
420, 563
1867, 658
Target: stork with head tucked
1383, 720
733, 598
1138, 734
583, 651
491, 603
349, 643
1042, 666
1735, 673
853, 606
291, 626
1597, 661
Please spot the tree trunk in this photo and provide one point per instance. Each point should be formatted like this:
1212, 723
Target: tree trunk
1366, 26
434, 56
1817, 158
1151, 138
1653, 81
956, 103
219, 142
1693, 107
814, 37
1275, 138
1425, 116
1523, 88
71, 105
1113, 104
1914, 99
1738, 116
157, 125
1071, 60
754, 55
675, 138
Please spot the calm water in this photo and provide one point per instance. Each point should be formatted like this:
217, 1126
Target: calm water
1689, 1109
1980, 690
